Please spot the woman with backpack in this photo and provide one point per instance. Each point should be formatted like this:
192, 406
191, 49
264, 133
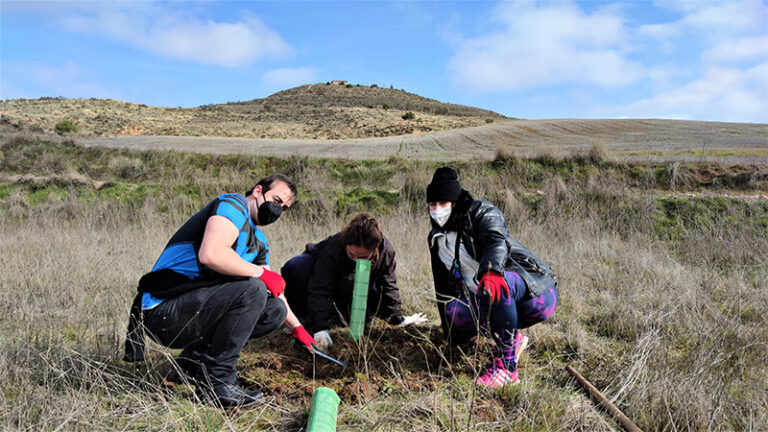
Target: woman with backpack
485, 280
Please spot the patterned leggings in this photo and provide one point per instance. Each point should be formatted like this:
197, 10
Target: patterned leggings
467, 316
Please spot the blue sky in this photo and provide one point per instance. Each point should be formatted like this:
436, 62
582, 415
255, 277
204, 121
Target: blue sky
698, 60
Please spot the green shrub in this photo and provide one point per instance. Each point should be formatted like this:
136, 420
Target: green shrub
408, 116
489, 120
5, 191
65, 126
375, 201
385, 106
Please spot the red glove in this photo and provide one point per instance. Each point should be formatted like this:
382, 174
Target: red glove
302, 336
493, 283
274, 282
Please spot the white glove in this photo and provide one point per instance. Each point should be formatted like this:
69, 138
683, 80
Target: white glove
415, 319
323, 340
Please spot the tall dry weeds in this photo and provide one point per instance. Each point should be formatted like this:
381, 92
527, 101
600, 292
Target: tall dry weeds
666, 316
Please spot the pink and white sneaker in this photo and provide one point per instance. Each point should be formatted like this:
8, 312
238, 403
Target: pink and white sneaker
498, 376
521, 342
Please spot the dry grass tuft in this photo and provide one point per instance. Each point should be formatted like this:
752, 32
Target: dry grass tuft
548, 156
506, 155
598, 153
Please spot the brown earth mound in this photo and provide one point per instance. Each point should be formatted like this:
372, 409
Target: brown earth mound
387, 360
319, 111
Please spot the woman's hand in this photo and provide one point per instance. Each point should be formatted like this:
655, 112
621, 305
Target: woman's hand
492, 283
323, 340
415, 319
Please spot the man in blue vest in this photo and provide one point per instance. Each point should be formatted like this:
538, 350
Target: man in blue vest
212, 290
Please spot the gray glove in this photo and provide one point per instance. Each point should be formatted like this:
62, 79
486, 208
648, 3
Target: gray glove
415, 319
323, 340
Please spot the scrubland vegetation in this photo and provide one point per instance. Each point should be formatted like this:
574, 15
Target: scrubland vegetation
315, 111
662, 270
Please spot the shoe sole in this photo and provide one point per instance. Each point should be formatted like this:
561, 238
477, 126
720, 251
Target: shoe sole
243, 404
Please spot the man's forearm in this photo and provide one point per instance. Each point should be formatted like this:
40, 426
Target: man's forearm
291, 320
227, 262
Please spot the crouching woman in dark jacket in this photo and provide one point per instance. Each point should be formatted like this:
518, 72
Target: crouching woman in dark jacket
484, 279
320, 281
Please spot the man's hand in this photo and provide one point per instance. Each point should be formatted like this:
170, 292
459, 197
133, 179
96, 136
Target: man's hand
415, 319
302, 336
492, 283
323, 340
274, 282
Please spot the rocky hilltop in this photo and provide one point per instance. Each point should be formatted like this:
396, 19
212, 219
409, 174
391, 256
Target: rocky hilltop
333, 110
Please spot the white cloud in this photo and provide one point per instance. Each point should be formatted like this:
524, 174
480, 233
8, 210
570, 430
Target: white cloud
289, 77
728, 17
660, 31
739, 49
68, 80
723, 35
174, 34
722, 94
708, 63
712, 23
546, 44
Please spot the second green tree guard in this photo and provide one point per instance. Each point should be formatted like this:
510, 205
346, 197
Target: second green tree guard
359, 298
323, 410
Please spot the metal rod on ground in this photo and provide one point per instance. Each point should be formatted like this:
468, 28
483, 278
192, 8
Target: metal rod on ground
603, 402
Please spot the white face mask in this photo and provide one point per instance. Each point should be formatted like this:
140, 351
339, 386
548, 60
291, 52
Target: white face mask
441, 215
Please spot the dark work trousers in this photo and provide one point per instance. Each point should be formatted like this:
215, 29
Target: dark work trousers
296, 273
271, 318
215, 321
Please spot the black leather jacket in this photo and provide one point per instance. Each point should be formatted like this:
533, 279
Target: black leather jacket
483, 232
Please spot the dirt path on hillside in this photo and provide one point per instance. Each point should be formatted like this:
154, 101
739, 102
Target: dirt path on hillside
650, 140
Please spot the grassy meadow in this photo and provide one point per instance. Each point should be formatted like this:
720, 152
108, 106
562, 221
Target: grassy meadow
662, 270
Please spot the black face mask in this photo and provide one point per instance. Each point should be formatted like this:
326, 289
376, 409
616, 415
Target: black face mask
268, 212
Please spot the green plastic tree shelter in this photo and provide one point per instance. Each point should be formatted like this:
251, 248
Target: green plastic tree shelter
323, 410
359, 298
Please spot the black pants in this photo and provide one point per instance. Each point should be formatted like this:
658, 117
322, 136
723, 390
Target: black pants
216, 322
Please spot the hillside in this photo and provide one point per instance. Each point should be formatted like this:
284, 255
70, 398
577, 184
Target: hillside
356, 96
624, 139
316, 111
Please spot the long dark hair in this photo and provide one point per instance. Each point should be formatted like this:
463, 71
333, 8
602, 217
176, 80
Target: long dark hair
363, 230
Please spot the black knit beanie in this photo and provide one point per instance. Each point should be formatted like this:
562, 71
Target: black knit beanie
444, 186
